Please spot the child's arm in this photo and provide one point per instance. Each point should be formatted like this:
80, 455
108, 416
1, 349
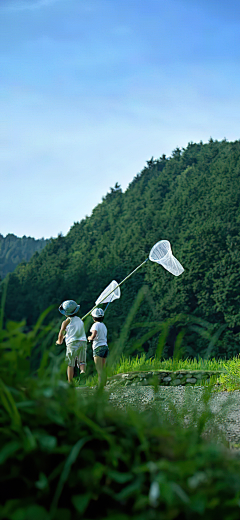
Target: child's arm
94, 333
61, 332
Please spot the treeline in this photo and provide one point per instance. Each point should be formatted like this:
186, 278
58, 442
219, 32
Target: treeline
14, 250
192, 199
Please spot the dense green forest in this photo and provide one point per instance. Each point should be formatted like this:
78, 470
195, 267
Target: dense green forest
192, 199
14, 250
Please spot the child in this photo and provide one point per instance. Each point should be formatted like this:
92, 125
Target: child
99, 345
75, 337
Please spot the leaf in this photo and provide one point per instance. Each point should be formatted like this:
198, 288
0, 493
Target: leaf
154, 494
43, 364
9, 404
179, 491
47, 442
129, 490
8, 450
81, 502
119, 477
40, 320
42, 482
62, 514
66, 470
3, 300
33, 512
29, 441
26, 404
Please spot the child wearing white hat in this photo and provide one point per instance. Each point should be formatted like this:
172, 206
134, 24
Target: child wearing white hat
99, 339
72, 330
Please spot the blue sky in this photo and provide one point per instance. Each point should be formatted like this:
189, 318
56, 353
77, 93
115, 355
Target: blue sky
91, 89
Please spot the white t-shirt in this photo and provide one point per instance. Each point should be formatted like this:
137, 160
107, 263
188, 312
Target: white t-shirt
75, 330
100, 339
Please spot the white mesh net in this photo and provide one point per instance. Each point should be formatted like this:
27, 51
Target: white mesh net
161, 253
109, 297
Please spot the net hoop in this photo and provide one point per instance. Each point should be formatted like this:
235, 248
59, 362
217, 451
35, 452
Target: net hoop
161, 253
112, 288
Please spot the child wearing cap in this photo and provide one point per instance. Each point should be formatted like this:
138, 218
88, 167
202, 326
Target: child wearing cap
99, 345
72, 330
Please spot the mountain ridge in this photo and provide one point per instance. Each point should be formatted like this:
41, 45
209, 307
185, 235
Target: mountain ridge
14, 250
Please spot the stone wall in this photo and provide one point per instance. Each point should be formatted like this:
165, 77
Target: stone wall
164, 378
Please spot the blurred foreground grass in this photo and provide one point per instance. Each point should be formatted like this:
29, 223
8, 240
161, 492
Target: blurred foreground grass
67, 453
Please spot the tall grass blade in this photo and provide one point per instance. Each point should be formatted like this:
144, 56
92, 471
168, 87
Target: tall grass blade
3, 300
214, 339
162, 340
41, 319
120, 344
9, 405
66, 470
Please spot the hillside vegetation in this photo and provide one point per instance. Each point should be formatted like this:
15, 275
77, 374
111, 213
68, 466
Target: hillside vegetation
192, 199
14, 250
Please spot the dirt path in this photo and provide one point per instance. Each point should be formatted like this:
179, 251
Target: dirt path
224, 406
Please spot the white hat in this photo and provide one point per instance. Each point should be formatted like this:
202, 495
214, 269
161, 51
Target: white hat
97, 313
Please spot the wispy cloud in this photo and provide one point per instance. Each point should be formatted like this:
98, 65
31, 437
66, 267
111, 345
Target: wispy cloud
30, 5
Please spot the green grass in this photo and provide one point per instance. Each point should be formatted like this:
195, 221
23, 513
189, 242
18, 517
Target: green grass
229, 379
143, 363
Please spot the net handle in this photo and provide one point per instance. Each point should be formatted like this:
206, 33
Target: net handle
106, 296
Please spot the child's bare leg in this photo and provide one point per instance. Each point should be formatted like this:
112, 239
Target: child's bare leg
70, 373
100, 364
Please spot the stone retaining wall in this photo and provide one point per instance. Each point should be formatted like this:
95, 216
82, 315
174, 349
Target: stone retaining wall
164, 378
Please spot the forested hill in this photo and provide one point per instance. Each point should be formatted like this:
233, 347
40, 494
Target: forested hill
192, 199
14, 250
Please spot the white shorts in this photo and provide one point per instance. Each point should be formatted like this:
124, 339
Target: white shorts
77, 350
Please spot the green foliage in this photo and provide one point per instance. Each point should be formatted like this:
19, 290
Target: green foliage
14, 250
67, 453
230, 379
193, 200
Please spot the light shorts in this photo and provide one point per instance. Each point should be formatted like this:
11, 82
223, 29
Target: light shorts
77, 350
102, 351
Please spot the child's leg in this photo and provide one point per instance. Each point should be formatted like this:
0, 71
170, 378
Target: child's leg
100, 365
70, 373
82, 357
70, 358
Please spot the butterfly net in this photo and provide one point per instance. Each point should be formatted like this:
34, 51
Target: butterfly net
162, 254
105, 297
